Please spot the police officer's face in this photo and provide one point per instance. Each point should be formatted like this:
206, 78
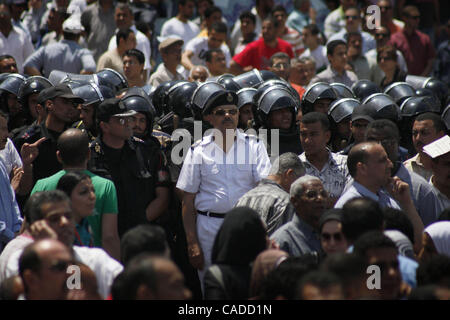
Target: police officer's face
388, 142
32, 103
313, 137
225, 117
358, 128
281, 119
245, 115
66, 110
322, 105
87, 115
138, 123
13, 104
119, 127
423, 133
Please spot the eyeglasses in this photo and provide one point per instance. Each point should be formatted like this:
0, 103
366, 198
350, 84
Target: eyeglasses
123, 121
222, 112
352, 17
328, 236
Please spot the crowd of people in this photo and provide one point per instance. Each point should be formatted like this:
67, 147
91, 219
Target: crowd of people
159, 150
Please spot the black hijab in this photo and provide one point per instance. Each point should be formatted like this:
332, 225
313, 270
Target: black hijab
240, 239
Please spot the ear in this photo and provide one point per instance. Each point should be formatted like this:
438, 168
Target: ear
30, 280
103, 126
58, 157
328, 135
48, 105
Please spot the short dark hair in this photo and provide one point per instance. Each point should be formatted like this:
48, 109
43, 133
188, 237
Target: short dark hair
6, 56
272, 20
313, 28
360, 215
249, 15
122, 34
409, 10
280, 55
135, 53
73, 150
438, 123
331, 46
318, 278
183, 2
209, 54
372, 240
395, 219
29, 260
435, 270
386, 126
313, 117
277, 8
33, 207
140, 270
70, 180
219, 27
149, 239
211, 10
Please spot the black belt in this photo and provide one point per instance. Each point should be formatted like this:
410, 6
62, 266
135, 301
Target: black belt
212, 214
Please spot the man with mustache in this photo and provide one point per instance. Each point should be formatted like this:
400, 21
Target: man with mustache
216, 172
427, 127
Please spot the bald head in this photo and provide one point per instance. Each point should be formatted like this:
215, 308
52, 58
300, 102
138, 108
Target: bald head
199, 74
359, 153
73, 148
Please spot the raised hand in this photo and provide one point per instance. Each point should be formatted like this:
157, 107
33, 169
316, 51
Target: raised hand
16, 177
29, 152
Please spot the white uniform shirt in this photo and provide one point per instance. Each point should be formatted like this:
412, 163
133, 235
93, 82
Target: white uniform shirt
17, 44
334, 174
199, 46
220, 179
175, 27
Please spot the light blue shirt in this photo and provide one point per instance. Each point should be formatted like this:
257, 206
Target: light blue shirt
65, 55
356, 190
368, 42
10, 219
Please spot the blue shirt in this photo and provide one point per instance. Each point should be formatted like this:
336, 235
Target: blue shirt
10, 219
356, 190
297, 238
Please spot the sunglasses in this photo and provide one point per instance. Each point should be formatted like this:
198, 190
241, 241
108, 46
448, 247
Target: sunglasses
222, 112
328, 236
352, 17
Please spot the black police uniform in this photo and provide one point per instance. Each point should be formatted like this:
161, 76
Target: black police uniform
46, 163
136, 170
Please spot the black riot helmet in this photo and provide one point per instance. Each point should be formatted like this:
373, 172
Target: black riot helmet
71, 79
414, 106
272, 99
446, 117
342, 109
112, 78
384, 107
364, 88
274, 82
342, 90
180, 98
317, 91
92, 93
245, 96
202, 97
439, 88
227, 81
137, 100
400, 91
34, 84
12, 83
253, 78
160, 97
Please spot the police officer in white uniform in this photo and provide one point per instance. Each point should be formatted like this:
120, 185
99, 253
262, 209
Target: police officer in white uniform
217, 171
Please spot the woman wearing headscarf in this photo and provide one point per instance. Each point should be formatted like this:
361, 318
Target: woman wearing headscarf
239, 240
435, 240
